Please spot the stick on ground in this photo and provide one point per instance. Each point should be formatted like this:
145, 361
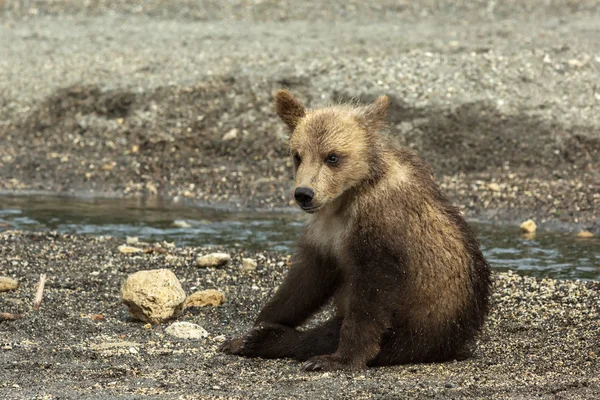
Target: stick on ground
40, 292
9, 316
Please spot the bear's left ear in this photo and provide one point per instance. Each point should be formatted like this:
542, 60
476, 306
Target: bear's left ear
374, 115
289, 109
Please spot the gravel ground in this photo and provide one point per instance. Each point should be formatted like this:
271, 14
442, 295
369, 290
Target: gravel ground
541, 339
149, 98
127, 98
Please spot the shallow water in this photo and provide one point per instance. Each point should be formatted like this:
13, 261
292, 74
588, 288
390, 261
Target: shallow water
549, 254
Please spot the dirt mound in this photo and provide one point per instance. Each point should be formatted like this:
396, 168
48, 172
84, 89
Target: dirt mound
62, 108
169, 118
473, 137
476, 137
220, 141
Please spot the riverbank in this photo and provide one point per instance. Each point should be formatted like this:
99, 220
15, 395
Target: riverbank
177, 104
541, 338
144, 99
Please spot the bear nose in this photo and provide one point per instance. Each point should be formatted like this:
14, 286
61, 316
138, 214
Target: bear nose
304, 195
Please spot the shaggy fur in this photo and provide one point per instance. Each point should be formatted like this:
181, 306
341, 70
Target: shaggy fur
404, 269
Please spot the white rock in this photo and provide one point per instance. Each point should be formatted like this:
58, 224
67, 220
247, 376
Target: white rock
153, 296
248, 264
186, 330
7, 284
181, 224
232, 134
220, 338
113, 345
129, 249
494, 187
213, 260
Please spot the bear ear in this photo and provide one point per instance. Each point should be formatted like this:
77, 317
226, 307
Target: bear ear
289, 109
375, 113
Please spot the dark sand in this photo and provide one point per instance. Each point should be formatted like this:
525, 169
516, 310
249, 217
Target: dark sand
541, 340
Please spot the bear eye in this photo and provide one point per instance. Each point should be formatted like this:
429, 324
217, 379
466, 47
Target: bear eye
332, 159
297, 159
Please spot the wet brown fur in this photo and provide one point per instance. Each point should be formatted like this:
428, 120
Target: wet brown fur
404, 269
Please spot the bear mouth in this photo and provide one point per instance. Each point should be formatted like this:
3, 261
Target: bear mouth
310, 210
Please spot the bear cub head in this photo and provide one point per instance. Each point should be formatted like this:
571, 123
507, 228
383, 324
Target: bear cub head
335, 149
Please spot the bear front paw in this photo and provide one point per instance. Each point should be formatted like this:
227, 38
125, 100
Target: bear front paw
232, 346
268, 340
265, 340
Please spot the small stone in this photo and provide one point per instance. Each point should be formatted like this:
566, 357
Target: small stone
153, 296
186, 330
248, 264
7, 284
585, 234
579, 63
210, 297
132, 240
220, 338
450, 385
181, 224
109, 167
113, 345
494, 187
129, 249
232, 134
156, 250
151, 187
528, 226
213, 260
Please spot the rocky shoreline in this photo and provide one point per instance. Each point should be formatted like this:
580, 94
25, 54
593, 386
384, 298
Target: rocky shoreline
541, 338
143, 99
504, 108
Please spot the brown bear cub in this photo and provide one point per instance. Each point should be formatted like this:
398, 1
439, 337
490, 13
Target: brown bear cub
404, 269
